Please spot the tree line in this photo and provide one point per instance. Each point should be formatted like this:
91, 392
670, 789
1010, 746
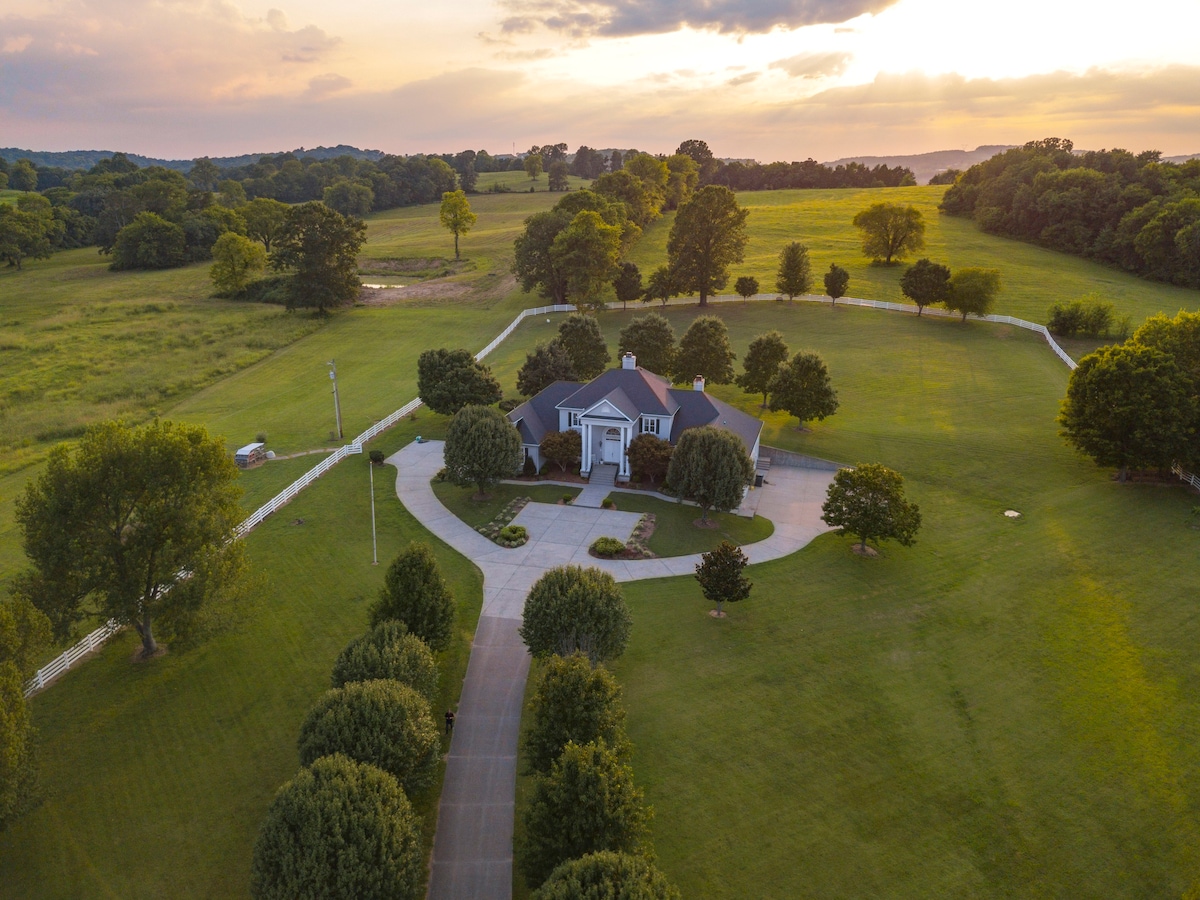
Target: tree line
1132, 211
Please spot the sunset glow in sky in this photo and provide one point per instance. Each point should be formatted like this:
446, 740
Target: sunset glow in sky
770, 79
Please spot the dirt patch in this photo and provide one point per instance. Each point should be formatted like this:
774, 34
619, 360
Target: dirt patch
717, 615
138, 658
426, 290
416, 266
864, 550
703, 523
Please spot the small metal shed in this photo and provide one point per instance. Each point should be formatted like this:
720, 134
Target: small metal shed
250, 455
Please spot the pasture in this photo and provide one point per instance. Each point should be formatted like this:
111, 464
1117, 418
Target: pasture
1007, 708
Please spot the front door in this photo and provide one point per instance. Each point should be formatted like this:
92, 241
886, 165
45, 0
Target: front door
612, 446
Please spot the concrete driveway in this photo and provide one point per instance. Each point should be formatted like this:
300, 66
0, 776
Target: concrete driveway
472, 849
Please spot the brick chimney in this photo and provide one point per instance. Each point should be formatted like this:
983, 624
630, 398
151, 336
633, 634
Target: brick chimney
698, 383
628, 361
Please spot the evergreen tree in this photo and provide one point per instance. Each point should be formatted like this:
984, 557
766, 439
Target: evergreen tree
415, 594
795, 271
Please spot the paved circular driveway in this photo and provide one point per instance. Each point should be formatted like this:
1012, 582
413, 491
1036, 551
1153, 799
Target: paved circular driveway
472, 849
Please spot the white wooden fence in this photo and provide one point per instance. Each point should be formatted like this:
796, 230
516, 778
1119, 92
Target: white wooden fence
96, 639
1187, 477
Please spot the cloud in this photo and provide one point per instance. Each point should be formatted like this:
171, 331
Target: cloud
329, 83
623, 18
16, 44
179, 55
813, 65
526, 55
742, 79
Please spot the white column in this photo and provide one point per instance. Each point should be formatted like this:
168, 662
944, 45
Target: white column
586, 431
625, 446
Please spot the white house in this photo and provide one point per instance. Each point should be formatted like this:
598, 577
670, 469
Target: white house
620, 404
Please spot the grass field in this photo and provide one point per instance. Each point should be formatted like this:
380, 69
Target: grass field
1033, 278
1006, 709
675, 535
158, 774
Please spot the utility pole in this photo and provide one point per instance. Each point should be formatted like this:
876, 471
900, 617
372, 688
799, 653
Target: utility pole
374, 542
337, 406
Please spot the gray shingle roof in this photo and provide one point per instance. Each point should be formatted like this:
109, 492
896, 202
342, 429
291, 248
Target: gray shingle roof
539, 414
648, 393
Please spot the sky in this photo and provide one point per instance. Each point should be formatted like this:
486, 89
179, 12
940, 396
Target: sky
761, 79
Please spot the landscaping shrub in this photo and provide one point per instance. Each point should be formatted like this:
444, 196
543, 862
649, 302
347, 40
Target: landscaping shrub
607, 876
388, 651
571, 608
376, 457
512, 536
608, 503
574, 701
381, 722
530, 467
415, 593
587, 803
607, 546
344, 826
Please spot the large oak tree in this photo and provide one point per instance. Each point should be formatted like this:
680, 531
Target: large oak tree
707, 237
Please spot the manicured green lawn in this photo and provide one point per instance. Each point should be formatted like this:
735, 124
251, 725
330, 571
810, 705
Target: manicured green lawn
676, 535
1006, 709
158, 774
462, 502
1033, 278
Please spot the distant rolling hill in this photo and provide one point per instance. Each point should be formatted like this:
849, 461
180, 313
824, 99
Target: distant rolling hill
925, 165
85, 159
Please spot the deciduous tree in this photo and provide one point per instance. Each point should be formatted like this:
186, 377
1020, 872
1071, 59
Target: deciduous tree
563, 448
628, 283
651, 339
802, 387
704, 350
456, 216
237, 260
544, 365
707, 237
868, 501
890, 231
683, 174
482, 447
973, 291
390, 651
587, 803
350, 198
149, 242
837, 280
558, 172
321, 247
662, 285
113, 529
580, 336
380, 722
607, 875
795, 271
26, 233
925, 283
265, 220
746, 286
448, 380
711, 467
415, 594
649, 457
574, 701
24, 635
721, 575
587, 250
339, 830
572, 609
766, 354
1131, 407
534, 262
533, 165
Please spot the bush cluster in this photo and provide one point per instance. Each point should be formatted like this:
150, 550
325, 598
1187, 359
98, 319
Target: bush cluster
344, 826
607, 546
1090, 317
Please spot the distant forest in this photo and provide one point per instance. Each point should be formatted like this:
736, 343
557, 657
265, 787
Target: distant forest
1138, 212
